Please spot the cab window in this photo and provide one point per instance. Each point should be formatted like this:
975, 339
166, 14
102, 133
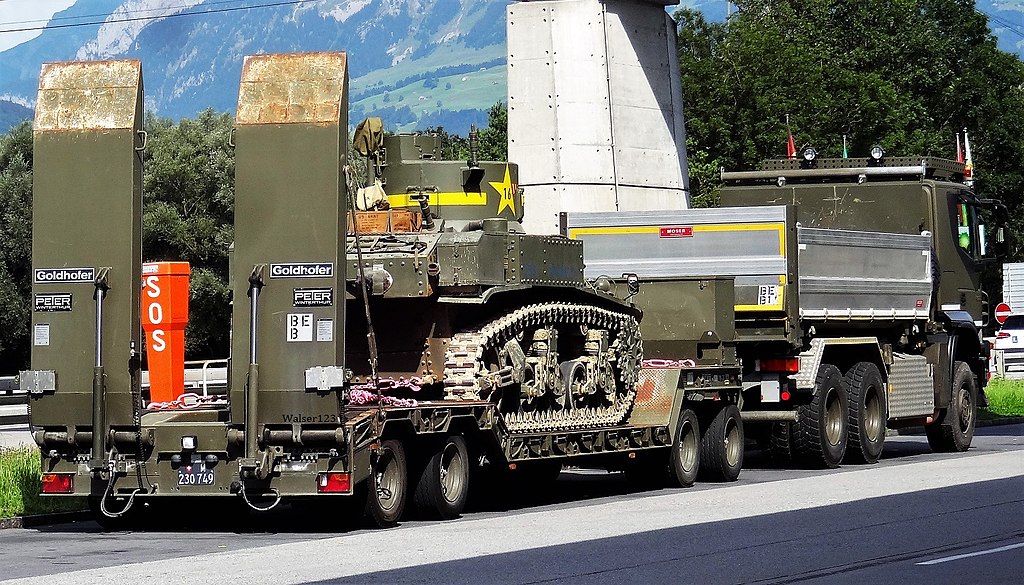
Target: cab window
965, 227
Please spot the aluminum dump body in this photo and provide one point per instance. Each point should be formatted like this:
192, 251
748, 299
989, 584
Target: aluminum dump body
780, 267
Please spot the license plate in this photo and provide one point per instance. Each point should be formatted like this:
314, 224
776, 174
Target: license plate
195, 474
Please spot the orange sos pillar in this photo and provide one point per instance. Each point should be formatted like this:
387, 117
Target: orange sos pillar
164, 317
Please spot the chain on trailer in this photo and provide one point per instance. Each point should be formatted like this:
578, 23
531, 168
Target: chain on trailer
371, 334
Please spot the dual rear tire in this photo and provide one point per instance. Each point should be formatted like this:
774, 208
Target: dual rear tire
819, 437
443, 485
868, 413
722, 445
442, 481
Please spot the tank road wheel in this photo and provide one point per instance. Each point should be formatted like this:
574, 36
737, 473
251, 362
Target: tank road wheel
820, 436
868, 413
443, 486
388, 484
684, 462
550, 366
954, 430
721, 445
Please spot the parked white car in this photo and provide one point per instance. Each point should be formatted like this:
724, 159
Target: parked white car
1010, 343
1011, 334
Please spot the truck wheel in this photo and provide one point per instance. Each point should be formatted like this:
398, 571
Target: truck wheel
868, 413
684, 462
388, 484
443, 487
721, 446
819, 437
954, 430
780, 447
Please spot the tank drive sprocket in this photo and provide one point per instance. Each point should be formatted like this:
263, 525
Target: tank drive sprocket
549, 366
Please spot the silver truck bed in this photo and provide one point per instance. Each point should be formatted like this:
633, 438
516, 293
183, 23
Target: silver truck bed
836, 274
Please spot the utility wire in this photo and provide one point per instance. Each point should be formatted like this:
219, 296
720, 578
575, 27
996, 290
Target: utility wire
1005, 23
144, 18
137, 11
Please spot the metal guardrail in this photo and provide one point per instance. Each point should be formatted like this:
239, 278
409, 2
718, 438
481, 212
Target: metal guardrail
201, 377
204, 376
9, 385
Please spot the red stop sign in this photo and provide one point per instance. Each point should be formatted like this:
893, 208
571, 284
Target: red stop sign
1002, 312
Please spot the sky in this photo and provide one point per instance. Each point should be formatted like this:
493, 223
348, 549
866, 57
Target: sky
19, 13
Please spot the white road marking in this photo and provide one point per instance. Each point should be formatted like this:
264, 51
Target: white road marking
413, 545
973, 554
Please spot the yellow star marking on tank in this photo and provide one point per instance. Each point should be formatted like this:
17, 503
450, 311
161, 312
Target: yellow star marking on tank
507, 190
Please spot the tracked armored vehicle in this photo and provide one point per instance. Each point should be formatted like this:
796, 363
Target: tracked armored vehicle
465, 306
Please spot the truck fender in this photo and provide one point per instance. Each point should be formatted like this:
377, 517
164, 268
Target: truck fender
841, 352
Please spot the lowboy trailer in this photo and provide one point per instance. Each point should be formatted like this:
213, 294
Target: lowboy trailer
385, 346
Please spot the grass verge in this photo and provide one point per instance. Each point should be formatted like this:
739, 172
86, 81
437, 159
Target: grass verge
1005, 397
20, 485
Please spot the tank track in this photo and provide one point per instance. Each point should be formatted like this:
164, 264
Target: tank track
467, 376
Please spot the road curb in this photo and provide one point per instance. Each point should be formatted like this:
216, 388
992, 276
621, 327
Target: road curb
37, 520
1009, 420
995, 422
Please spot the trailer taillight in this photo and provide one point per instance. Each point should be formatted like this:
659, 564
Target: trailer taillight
58, 483
333, 482
787, 365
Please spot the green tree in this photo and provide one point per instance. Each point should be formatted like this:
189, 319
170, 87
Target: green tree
188, 215
492, 143
15, 247
907, 74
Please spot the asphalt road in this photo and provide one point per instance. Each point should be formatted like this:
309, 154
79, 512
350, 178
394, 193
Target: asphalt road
914, 518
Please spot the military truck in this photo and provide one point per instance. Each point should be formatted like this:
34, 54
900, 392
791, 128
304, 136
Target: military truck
858, 304
393, 331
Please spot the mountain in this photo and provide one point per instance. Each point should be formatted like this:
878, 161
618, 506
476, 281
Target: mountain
12, 114
415, 63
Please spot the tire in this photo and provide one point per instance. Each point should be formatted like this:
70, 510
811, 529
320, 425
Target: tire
684, 461
387, 486
954, 430
721, 446
820, 435
868, 413
443, 486
780, 446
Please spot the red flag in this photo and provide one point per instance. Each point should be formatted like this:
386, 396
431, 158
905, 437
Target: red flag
791, 147
968, 162
959, 153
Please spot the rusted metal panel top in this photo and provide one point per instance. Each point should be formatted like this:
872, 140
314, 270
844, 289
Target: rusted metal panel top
301, 88
87, 95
